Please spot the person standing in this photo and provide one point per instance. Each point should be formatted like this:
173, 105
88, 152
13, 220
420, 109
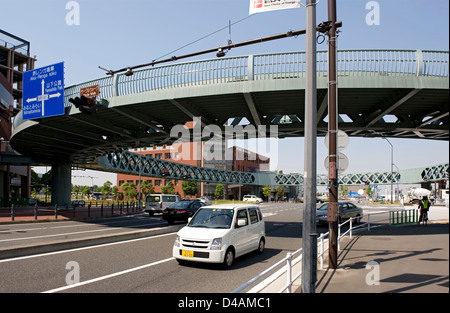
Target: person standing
424, 206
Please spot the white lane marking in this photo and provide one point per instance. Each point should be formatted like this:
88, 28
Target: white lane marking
90, 281
74, 233
84, 248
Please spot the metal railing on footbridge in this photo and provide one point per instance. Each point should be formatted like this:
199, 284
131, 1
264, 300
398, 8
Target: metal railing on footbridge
269, 66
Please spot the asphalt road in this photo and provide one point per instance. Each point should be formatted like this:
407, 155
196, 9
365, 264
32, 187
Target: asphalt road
139, 265
48, 232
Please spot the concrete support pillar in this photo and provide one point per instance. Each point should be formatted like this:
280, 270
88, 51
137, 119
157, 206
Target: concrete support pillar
61, 184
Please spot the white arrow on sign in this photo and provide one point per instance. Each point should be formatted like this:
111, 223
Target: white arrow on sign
44, 97
55, 95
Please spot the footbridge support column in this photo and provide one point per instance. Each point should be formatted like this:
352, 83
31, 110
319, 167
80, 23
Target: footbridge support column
61, 184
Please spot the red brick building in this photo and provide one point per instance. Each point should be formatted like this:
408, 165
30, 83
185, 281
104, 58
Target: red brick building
242, 161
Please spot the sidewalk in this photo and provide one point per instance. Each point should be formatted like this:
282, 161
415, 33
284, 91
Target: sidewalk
412, 258
27, 213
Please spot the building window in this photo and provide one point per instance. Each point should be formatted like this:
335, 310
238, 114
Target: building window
158, 155
167, 156
157, 182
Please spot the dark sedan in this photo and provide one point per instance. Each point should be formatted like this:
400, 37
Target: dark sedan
181, 211
346, 210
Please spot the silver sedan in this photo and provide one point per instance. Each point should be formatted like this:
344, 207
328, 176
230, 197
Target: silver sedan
346, 210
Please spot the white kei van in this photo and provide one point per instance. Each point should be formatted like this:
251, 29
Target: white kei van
221, 233
156, 203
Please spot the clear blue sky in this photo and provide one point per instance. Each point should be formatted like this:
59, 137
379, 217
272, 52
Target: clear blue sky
116, 34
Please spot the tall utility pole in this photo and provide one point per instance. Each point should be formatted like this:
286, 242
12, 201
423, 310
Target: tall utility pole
309, 235
333, 207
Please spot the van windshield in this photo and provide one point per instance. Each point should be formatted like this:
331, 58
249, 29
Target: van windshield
153, 198
212, 218
165, 198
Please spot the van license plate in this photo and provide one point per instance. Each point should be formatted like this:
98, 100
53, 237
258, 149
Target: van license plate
188, 254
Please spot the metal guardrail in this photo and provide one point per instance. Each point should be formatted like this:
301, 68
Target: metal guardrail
270, 66
404, 217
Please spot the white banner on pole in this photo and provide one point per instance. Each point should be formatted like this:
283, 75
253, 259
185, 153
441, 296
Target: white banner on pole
257, 6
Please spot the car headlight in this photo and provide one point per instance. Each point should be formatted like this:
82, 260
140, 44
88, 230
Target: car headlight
177, 241
216, 244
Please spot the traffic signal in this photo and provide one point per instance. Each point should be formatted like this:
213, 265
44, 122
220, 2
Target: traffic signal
85, 104
367, 182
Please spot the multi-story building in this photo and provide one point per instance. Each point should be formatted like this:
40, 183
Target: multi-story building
237, 159
14, 60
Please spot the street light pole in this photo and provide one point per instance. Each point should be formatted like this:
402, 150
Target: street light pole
392, 168
397, 196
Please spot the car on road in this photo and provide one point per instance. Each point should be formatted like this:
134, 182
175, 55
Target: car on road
346, 210
252, 199
205, 200
156, 203
181, 211
77, 203
221, 233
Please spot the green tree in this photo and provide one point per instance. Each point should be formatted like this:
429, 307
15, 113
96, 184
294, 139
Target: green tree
86, 190
369, 191
36, 184
77, 190
106, 189
266, 191
46, 181
115, 192
189, 188
280, 191
168, 189
219, 192
344, 190
129, 190
147, 188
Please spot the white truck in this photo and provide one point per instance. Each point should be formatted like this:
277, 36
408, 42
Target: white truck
414, 194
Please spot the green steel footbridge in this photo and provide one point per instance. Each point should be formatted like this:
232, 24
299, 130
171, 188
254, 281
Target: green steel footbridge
381, 93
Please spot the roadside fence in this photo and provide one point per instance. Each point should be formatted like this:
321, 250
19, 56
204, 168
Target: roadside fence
289, 269
403, 217
34, 213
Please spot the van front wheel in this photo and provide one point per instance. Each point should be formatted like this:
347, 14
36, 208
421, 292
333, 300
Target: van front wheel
261, 246
229, 258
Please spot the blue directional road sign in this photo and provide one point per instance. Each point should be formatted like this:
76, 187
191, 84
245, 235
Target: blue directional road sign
43, 92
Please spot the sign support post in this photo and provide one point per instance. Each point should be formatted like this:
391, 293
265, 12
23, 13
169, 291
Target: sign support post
309, 235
